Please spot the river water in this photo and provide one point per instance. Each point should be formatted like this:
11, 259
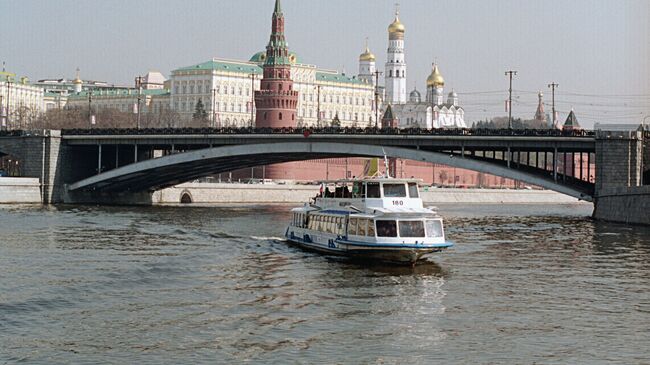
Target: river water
524, 284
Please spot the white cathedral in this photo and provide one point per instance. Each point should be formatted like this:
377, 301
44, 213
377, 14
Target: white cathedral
412, 112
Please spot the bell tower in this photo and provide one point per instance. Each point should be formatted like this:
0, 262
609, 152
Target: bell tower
395, 76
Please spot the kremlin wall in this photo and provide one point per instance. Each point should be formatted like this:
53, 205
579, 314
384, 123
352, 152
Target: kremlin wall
276, 104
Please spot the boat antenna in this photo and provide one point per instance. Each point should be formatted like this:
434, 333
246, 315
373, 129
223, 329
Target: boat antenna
386, 163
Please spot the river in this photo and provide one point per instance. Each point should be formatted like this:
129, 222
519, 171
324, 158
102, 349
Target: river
524, 284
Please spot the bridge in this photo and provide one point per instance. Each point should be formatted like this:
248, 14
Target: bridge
126, 161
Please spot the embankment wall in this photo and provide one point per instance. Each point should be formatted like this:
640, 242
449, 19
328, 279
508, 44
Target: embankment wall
624, 205
20, 190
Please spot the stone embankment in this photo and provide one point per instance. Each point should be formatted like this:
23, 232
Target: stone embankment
206, 193
20, 190
624, 205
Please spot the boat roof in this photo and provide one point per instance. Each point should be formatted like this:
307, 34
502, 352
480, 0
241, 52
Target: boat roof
371, 179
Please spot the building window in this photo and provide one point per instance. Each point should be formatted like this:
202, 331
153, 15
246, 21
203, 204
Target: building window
280, 116
264, 115
232, 107
232, 90
184, 89
241, 92
217, 89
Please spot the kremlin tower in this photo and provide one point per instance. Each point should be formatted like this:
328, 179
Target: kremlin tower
276, 101
367, 66
435, 85
395, 76
539, 113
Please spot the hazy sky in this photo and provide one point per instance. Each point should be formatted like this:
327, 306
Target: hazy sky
597, 50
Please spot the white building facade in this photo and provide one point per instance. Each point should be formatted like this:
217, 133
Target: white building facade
226, 89
20, 101
395, 72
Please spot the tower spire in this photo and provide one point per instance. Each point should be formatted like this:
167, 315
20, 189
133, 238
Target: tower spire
276, 100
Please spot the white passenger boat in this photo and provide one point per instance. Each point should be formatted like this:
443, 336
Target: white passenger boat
378, 219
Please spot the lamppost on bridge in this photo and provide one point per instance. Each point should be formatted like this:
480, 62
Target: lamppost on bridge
214, 103
252, 76
643, 146
7, 109
138, 85
318, 106
91, 117
511, 73
377, 73
3, 122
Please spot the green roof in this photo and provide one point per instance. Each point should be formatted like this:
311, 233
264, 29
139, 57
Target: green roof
120, 92
330, 77
260, 57
247, 67
223, 66
572, 121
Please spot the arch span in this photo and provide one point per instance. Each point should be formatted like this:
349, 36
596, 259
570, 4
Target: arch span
175, 169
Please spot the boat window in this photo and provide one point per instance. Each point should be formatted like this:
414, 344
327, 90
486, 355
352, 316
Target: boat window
434, 228
394, 191
413, 190
357, 190
372, 190
411, 229
371, 228
361, 229
386, 229
352, 226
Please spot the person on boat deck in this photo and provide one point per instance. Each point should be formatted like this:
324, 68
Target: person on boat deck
328, 193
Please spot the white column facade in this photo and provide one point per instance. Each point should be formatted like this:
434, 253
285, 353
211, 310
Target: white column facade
367, 71
395, 75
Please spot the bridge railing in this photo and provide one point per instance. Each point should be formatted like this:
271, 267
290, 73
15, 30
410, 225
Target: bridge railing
307, 131
21, 133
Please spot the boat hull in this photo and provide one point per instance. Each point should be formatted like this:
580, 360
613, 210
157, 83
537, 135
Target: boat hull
397, 254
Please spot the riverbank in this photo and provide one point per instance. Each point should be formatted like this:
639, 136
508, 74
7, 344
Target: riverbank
20, 190
220, 193
27, 191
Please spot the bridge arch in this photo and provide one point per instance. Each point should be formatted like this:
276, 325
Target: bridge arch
174, 169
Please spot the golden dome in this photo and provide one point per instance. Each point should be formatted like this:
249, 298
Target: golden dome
367, 55
435, 79
396, 26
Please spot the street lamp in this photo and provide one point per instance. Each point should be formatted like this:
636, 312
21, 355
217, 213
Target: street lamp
252, 76
318, 106
510, 73
91, 118
138, 85
643, 147
7, 110
214, 112
3, 122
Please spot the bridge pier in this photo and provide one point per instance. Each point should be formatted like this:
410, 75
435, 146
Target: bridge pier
620, 195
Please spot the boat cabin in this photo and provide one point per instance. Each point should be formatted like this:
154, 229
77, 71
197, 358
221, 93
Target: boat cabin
371, 193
